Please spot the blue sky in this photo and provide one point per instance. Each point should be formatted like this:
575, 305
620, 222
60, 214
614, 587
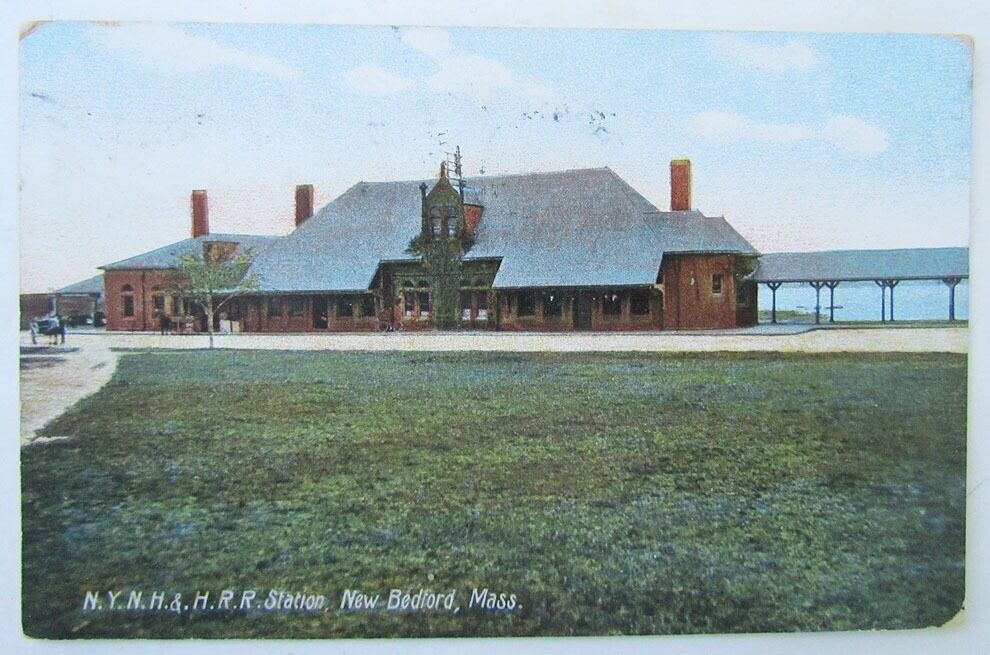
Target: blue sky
803, 141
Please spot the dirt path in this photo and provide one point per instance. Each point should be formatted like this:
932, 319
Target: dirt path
759, 339
53, 378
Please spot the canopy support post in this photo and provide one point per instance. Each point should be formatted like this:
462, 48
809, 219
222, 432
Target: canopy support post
831, 284
818, 301
773, 286
951, 282
883, 299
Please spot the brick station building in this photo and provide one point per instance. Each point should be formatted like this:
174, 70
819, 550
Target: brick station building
561, 251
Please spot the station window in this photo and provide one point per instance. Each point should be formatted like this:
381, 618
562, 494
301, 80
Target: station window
274, 308
424, 303
639, 302
466, 305
409, 300
553, 303
297, 306
482, 306
127, 300
158, 302
611, 303
716, 283
367, 306
345, 307
526, 303
234, 311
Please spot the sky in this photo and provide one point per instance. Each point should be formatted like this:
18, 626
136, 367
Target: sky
803, 141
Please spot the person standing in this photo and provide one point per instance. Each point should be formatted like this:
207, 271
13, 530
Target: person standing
164, 323
34, 333
61, 329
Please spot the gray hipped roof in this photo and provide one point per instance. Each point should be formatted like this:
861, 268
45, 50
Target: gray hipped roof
89, 287
167, 256
855, 265
568, 228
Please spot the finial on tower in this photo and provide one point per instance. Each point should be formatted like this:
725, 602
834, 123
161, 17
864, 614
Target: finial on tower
443, 170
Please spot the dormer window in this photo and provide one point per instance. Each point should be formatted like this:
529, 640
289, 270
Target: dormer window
218, 251
443, 211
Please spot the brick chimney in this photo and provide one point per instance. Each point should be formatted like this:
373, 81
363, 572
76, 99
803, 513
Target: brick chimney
680, 184
200, 214
304, 203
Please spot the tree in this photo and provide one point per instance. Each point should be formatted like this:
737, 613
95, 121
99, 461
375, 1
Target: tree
213, 277
442, 259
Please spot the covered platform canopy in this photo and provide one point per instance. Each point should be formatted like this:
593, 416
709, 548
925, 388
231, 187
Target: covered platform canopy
89, 287
80, 298
886, 268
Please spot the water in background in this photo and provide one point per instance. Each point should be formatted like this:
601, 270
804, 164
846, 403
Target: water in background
914, 300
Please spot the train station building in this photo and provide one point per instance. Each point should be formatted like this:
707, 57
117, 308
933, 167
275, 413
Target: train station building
559, 251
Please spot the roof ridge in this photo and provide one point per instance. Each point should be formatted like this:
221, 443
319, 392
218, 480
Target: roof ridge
492, 177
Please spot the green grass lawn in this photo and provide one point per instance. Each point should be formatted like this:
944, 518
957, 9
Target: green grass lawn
612, 493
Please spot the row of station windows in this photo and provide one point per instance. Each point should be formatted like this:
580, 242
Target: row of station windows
419, 303
171, 305
554, 303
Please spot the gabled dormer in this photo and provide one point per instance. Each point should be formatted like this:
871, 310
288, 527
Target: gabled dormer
443, 210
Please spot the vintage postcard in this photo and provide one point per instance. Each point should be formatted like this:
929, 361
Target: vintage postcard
386, 331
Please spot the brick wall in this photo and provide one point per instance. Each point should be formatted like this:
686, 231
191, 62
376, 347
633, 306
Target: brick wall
143, 284
690, 300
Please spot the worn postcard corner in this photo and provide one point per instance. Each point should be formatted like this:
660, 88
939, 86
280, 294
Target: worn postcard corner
347, 332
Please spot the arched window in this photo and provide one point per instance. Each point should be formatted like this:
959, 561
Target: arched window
423, 284
127, 300
436, 222
451, 216
479, 282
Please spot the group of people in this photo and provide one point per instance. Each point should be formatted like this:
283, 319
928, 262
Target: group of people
53, 328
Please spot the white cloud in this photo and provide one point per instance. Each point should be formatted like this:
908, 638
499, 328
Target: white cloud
429, 40
856, 135
170, 51
793, 55
847, 133
726, 126
374, 80
481, 79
